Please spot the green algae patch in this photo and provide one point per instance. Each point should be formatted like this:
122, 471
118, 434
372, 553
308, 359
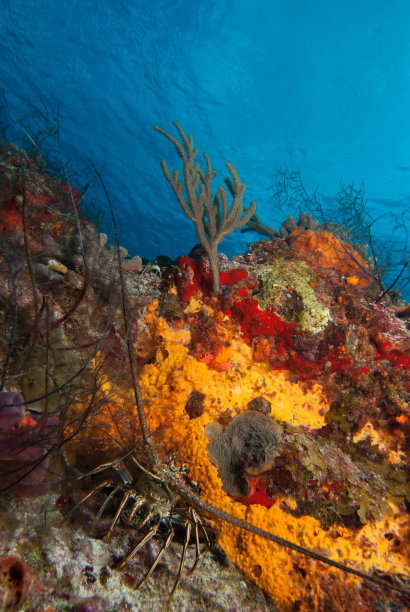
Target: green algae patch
286, 286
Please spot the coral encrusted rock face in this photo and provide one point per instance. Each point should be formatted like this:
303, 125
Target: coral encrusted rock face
283, 401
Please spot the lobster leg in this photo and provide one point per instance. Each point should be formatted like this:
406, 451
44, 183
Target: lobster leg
158, 558
188, 528
117, 515
138, 547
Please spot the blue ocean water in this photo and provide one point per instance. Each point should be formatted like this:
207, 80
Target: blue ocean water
321, 87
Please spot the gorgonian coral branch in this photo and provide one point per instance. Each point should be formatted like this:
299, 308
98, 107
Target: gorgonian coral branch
214, 218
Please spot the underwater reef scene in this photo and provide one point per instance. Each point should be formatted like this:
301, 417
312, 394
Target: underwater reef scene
274, 386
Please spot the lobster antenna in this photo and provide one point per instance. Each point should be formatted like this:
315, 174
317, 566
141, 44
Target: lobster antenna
152, 451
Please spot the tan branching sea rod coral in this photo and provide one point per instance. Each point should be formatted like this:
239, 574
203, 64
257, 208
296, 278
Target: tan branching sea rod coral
213, 217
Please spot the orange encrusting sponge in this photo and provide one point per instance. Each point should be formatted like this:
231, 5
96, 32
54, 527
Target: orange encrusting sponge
286, 576
324, 250
166, 384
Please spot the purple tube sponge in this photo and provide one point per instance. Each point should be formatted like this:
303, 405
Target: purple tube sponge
24, 439
11, 409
